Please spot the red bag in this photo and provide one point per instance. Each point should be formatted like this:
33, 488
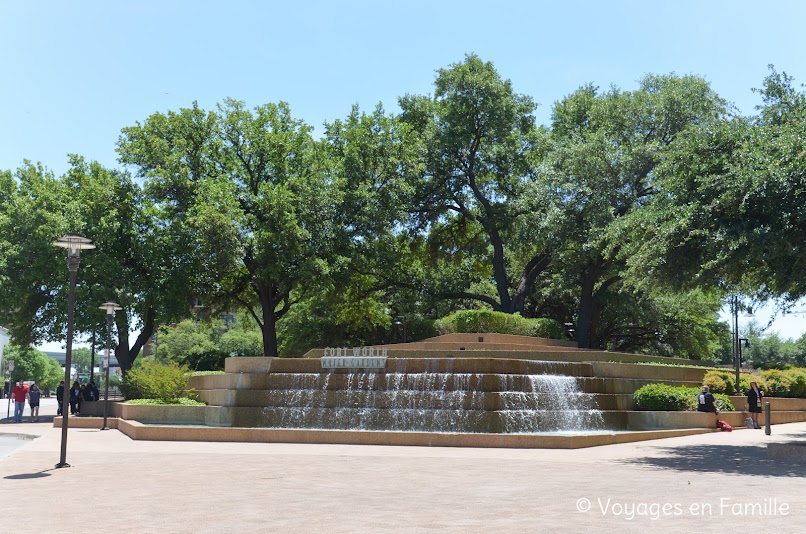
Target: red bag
724, 426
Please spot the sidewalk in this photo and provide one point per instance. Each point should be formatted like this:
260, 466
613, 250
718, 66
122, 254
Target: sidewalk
713, 482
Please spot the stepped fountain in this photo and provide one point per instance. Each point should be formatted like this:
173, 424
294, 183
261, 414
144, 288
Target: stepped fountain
480, 390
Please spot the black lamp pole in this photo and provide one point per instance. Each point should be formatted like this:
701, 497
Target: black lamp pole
110, 308
736, 349
74, 244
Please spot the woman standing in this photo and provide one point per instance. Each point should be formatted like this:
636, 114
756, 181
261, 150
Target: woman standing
34, 395
754, 397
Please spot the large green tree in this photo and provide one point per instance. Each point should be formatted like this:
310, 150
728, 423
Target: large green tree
32, 364
732, 214
247, 189
599, 167
133, 263
478, 135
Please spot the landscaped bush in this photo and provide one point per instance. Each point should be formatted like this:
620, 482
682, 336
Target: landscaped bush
155, 380
773, 382
798, 386
479, 321
777, 382
720, 382
663, 397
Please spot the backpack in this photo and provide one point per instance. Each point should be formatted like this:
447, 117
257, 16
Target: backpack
724, 426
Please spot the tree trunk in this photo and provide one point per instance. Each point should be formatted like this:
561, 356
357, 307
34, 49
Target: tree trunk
268, 302
534, 267
269, 334
585, 315
123, 353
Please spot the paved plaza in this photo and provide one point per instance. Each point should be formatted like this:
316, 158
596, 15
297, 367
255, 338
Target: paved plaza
711, 482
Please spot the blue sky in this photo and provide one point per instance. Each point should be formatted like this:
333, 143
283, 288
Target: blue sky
75, 72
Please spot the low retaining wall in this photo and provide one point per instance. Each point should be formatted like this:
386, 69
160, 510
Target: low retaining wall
659, 373
140, 431
96, 408
777, 404
645, 420
86, 422
214, 416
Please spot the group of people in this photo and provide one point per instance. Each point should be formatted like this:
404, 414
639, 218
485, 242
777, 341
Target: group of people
31, 393
26, 392
78, 394
707, 403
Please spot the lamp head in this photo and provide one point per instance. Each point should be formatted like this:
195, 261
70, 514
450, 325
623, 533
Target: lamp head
110, 307
74, 244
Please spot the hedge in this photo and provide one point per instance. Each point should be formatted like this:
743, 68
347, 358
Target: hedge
480, 321
773, 382
663, 397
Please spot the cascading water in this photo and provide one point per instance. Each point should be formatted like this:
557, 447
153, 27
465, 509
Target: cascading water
553, 404
433, 401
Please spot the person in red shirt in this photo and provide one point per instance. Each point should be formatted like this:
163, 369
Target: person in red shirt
19, 392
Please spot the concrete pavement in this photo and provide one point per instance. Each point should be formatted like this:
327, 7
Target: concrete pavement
713, 482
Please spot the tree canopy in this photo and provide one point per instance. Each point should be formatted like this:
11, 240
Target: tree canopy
629, 217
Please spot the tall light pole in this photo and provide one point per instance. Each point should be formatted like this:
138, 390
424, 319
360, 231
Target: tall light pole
737, 348
74, 245
400, 320
110, 308
736, 361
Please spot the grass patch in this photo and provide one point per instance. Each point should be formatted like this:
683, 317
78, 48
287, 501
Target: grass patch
686, 365
182, 401
206, 373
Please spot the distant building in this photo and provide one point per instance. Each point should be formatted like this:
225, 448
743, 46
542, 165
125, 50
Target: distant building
61, 357
4, 339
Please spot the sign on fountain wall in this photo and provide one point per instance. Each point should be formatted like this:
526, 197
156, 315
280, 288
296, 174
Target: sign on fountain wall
354, 358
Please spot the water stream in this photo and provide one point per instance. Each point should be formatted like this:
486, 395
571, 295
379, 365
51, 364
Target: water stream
433, 402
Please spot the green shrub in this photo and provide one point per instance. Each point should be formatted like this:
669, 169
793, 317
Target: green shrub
663, 397
479, 321
720, 382
798, 386
778, 383
155, 380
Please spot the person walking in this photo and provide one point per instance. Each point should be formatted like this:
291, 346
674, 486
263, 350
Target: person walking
59, 397
754, 398
34, 394
19, 393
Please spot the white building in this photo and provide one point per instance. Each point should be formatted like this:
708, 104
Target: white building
4, 338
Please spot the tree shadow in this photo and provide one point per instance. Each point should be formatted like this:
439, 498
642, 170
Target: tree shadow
728, 459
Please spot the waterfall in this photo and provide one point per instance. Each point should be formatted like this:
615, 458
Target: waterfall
432, 401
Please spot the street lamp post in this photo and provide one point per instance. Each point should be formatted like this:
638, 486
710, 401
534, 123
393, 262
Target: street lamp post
110, 308
743, 342
737, 347
74, 245
736, 362
401, 321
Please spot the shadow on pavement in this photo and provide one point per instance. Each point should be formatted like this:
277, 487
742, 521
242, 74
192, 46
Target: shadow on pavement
729, 459
25, 476
27, 419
